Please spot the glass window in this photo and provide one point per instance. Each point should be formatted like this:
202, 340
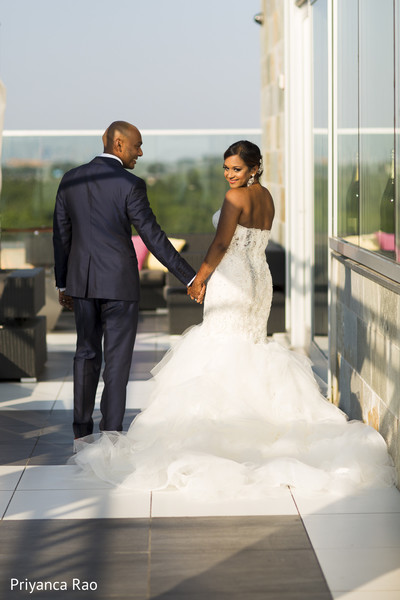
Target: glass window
366, 138
376, 117
320, 134
347, 120
397, 122
184, 176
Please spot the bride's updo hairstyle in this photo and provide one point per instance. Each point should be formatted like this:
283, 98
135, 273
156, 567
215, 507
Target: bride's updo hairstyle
249, 153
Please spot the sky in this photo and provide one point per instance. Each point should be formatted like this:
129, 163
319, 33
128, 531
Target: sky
160, 64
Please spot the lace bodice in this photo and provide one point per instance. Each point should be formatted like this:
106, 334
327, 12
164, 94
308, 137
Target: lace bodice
239, 293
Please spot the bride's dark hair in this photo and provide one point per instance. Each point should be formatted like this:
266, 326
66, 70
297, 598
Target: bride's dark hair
248, 152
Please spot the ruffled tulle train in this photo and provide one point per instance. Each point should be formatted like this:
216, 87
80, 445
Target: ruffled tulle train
229, 417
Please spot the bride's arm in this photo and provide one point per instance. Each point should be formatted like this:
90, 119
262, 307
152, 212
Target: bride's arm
229, 218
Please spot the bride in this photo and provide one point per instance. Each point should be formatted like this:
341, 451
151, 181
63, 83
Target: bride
233, 413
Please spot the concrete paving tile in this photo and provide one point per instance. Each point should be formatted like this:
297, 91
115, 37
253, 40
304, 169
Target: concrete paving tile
354, 531
65, 397
42, 396
10, 391
9, 476
61, 341
78, 504
369, 569
367, 501
235, 533
25, 419
59, 477
46, 390
247, 572
7, 436
71, 536
154, 321
5, 497
51, 452
12, 453
181, 594
18, 425
59, 365
143, 361
112, 575
367, 595
59, 416
30, 404
176, 503
58, 433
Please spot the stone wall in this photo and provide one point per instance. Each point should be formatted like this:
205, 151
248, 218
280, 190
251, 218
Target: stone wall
272, 108
365, 348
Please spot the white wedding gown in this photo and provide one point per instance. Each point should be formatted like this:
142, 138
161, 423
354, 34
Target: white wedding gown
233, 414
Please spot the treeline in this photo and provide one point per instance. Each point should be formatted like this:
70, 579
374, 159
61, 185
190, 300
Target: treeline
183, 195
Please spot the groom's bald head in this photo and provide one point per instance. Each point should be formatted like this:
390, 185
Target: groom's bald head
123, 140
116, 129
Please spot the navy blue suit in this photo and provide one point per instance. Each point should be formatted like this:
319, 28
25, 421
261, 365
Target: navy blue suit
96, 262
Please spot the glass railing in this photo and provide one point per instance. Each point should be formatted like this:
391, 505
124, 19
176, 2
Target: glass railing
182, 169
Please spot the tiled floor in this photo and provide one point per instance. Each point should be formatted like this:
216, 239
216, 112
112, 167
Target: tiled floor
60, 526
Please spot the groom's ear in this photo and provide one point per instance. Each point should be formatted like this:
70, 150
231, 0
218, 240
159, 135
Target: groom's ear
118, 143
118, 146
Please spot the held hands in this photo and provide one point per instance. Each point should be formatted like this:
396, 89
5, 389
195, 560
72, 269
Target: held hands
65, 301
197, 291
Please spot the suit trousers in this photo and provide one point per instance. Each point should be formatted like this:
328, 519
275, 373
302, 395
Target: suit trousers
116, 321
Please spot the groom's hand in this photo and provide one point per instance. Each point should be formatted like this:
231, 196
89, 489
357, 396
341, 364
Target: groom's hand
197, 291
65, 301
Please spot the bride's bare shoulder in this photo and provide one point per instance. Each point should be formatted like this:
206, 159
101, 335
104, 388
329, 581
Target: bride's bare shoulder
237, 196
267, 196
266, 191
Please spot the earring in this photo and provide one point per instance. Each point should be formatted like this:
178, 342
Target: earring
250, 181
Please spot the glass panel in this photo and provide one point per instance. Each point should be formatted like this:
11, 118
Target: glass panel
377, 218
183, 173
397, 122
320, 134
347, 120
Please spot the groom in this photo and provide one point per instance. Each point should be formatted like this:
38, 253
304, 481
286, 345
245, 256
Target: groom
96, 269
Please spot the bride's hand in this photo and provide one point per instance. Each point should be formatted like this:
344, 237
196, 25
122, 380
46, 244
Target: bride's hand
200, 297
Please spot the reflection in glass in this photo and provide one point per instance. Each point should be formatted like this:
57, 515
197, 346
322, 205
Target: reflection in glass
397, 121
386, 235
347, 120
366, 139
353, 202
183, 172
376, 115
320, 130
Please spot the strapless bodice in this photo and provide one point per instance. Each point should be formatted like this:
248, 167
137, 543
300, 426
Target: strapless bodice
246, 239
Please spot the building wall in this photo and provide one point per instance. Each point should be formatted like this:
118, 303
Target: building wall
365, 348
364, 340
272, 108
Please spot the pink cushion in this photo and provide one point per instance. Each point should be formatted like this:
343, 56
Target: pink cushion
140, 249
386, 240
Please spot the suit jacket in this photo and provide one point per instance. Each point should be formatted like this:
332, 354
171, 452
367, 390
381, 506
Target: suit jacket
94, 256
